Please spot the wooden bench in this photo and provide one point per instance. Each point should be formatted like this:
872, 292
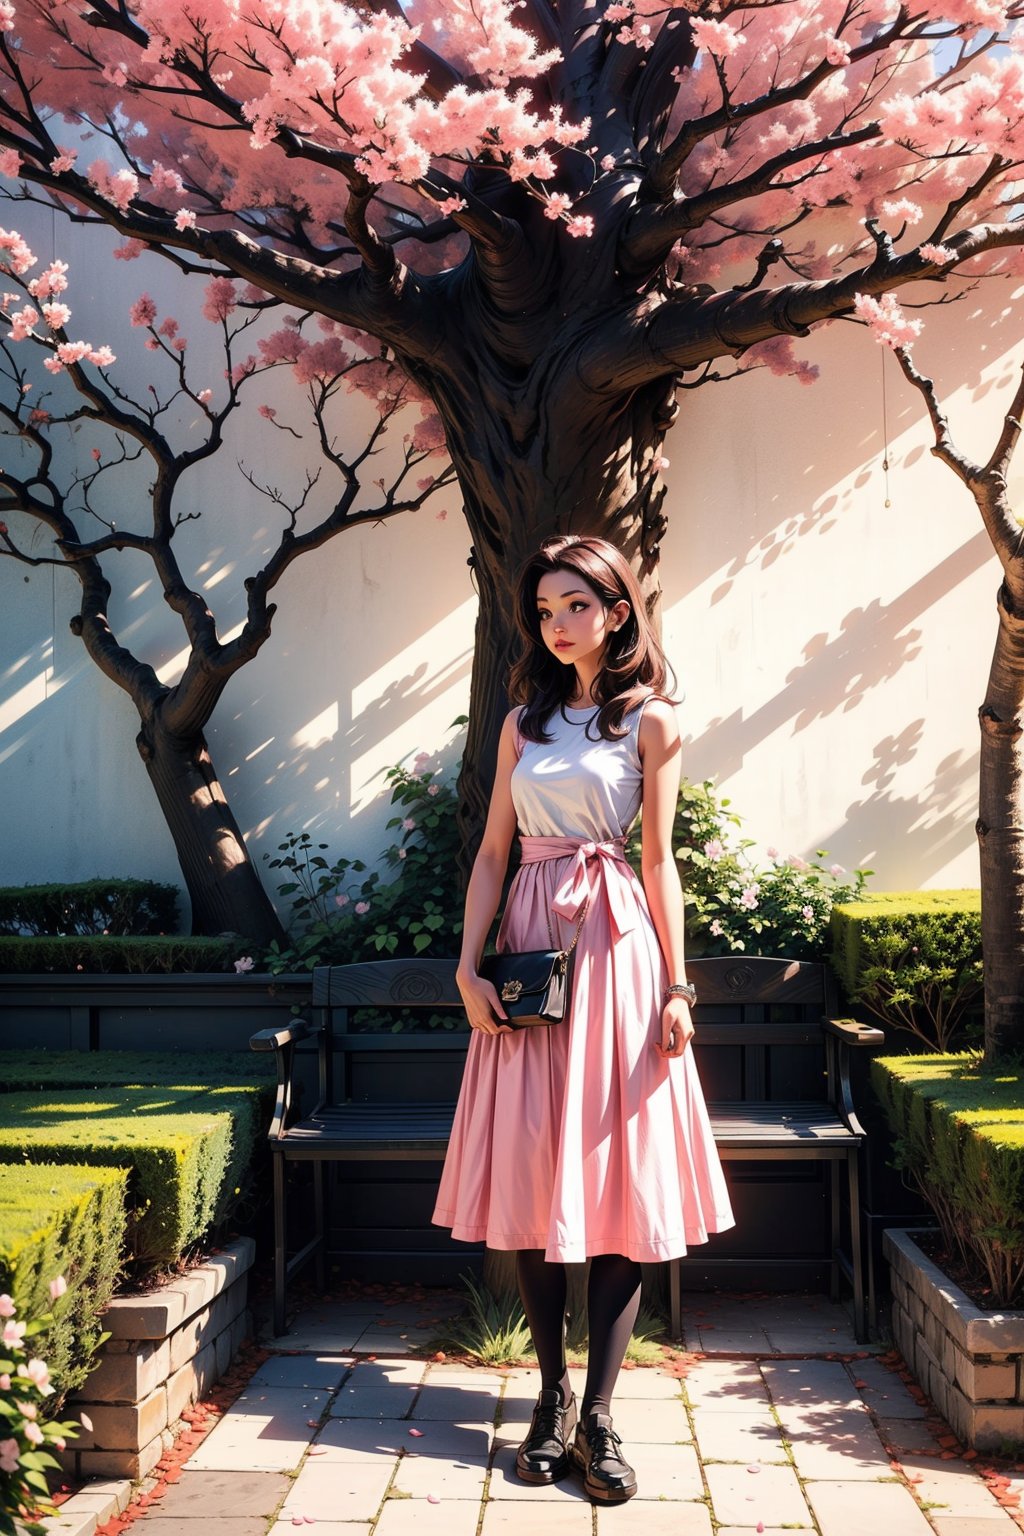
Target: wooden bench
773, 1062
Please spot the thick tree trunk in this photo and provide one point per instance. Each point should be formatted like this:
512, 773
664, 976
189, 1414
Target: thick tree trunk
223, 885
1001, 834
573, 464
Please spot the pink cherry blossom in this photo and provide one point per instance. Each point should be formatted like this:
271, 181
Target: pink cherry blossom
837, 50
362, 907
57, 1288
714, 848
56, 315
341, 900
64, 162
128, 250
6, 16
837, 870
245, 963
449, 205
581, 226
886, 320
184, 219
20, 258
556, 205
408, 824
54, 279
749, 895
22, 322
939, 254
220, 301
143, 311
7, 1307
10, 162
204, 396
903, 209
717, 929
717, 37
13, 1334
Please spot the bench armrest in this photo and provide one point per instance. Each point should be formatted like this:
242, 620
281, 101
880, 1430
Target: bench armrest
850, 1032
282, 1043
840, 1034
277, 1039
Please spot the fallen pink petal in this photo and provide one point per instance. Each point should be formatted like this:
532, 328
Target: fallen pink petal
417, 1432
433, 1498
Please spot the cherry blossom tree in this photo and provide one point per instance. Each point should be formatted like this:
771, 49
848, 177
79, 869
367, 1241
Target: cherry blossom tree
553, 214
1000, 823
143, 453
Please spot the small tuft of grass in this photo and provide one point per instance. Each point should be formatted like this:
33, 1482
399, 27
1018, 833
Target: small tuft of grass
494, 1330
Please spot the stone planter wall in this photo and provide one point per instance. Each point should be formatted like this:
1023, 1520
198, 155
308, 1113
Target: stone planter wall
166, 1348
970, 1362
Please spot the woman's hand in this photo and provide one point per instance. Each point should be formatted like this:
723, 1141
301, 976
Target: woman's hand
676, 1028
483, 1009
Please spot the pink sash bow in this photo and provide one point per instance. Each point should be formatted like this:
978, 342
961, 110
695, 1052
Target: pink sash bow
591, 864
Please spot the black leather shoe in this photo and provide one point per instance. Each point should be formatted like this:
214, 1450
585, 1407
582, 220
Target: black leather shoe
607, 1479
543, 1456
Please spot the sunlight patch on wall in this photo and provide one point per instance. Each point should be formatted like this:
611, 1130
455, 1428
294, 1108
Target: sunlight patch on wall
412, 689
28, 697
322, 728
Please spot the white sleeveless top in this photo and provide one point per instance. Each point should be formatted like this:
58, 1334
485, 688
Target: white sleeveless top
575, 786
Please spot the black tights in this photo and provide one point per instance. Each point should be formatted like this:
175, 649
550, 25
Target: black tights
613, 1300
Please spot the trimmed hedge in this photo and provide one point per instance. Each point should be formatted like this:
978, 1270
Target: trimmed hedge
913, 958
66, 1221
109, 956
188, 1149
89, 906
29, 1070
959, 1135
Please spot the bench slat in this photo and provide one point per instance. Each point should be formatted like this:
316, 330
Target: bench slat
373, 1126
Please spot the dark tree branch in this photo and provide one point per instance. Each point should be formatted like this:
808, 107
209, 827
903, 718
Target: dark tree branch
690, 328
652, 232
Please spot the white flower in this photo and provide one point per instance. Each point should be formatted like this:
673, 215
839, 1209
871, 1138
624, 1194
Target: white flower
58, 1287
716, 928
246, 963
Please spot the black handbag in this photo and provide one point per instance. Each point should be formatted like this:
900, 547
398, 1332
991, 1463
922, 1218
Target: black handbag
535, 985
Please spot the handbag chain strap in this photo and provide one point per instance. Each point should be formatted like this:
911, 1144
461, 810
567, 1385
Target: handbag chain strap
565, 953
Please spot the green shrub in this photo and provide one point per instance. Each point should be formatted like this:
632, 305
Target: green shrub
341, 913
736, 903
914, 960
89, 906
109, 956
187, 1149
959, 1137
70, 1221
32, 1070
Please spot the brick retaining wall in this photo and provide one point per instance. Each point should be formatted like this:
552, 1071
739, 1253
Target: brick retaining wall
166, 1348
970, 1362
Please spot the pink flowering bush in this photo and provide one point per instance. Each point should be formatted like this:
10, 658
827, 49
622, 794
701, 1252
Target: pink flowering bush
735, 903
25, 1435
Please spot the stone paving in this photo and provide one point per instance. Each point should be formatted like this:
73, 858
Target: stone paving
343, 1430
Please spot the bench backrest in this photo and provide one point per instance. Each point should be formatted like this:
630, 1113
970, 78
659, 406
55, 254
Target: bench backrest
746, 1005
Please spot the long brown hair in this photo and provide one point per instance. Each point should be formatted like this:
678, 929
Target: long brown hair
634, 663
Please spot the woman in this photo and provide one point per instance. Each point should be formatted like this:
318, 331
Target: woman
589, 1139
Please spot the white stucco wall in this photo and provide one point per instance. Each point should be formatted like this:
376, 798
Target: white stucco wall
833, 648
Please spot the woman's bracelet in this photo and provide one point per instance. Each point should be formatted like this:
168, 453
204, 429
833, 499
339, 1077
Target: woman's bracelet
681, 989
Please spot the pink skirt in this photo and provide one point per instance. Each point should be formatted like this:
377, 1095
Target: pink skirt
580, 1139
